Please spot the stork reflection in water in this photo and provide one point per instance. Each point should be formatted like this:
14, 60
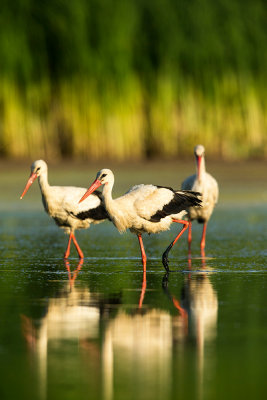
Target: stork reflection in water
197, 308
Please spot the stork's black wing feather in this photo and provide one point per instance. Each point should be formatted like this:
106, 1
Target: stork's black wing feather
182, 200
98, 194
98, 213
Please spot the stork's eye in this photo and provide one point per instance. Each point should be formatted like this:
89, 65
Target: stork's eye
38, 169
103, 176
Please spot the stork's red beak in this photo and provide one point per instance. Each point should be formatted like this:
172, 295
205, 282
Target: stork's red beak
29, 183
91, 189
199, 158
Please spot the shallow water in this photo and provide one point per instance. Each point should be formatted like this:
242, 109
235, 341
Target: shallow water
98, 330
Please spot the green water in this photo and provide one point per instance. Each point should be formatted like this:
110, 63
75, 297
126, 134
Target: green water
95, 331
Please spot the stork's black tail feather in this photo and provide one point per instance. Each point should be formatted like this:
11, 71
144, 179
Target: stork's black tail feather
193, 197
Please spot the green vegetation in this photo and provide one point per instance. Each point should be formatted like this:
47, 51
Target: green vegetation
124, 79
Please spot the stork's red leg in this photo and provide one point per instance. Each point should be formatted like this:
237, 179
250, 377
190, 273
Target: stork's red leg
165, 260
77, 246
185, 223
67, 252
142, 252
203, 238
189, 237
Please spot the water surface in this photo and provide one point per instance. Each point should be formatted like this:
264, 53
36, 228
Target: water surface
97, 330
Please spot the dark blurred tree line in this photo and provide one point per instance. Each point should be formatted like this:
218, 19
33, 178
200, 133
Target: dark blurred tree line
111, 41
111, 38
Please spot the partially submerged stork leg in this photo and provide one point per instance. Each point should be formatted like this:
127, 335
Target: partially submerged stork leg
73, 275
165, 260
143, 253
79, 251
189, 237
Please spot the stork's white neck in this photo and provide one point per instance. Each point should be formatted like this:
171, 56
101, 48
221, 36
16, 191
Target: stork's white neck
116, 210
43, 183
111, 205
107, 194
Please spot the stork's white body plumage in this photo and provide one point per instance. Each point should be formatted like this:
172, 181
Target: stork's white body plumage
144, 208
204, 183
208, 187
134, 209
61, 203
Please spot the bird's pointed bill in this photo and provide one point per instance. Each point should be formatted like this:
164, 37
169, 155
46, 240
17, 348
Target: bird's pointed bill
199, 158
91, 189
28, 184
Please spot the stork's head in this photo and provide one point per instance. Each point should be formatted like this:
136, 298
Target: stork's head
199, 150
38, 167
103, 177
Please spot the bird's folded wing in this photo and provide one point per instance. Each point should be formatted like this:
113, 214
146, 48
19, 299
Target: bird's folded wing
188, 183
92, 207
152, 199
181, 201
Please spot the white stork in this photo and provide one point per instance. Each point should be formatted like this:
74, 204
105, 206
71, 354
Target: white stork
205, 184
61, 203
145, 209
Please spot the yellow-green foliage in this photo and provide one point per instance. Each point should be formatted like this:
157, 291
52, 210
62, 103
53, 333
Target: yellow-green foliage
122, 122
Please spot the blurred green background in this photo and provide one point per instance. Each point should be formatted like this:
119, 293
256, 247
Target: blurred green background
132, 80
